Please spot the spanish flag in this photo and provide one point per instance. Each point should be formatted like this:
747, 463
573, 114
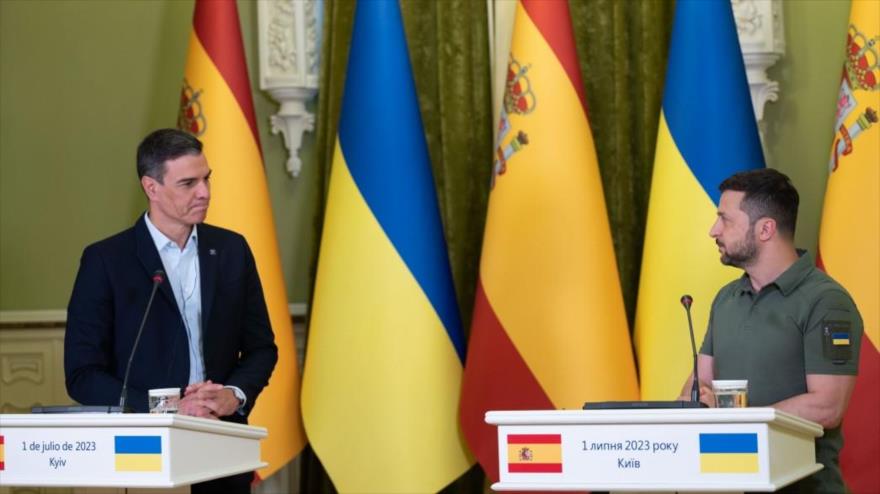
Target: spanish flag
384, 358
216, 107
707, 132
849, 235
549, 329
534, 453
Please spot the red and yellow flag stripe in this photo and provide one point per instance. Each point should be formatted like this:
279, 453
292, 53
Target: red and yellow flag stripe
549, 328
217, 107
534, 453
849, 236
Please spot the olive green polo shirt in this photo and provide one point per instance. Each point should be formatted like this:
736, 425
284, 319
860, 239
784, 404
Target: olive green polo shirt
802, 323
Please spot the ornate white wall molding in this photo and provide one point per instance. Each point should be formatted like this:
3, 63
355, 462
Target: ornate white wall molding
289, 45
762, 38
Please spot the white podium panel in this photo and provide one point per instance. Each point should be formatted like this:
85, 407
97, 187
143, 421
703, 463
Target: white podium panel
123, 450
747, 449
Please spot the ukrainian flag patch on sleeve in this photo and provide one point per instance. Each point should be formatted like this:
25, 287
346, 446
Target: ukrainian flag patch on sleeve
837, 341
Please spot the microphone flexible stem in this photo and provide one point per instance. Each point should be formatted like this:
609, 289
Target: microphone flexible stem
695, 388
123, 396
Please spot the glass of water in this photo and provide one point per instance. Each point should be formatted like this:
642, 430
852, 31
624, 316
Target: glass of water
164, 400
731, 393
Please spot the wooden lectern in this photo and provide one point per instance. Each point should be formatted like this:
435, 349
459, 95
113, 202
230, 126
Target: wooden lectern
123, 450
713, 449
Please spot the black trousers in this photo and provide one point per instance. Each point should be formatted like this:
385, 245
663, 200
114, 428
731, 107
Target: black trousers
234, 484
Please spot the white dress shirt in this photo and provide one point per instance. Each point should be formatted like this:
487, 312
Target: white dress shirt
182, 269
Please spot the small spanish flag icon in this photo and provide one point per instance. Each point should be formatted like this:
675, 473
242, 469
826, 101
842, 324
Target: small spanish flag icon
534, 453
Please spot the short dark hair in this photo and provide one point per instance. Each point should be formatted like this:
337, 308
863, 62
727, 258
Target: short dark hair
163, 145
768, 194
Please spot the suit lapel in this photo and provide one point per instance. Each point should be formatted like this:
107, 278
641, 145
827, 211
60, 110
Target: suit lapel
149, 258
209, 254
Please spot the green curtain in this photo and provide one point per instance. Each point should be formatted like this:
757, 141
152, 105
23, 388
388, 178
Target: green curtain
622, 47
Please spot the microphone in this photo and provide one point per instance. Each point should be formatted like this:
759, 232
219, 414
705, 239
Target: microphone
686, 301
158, 277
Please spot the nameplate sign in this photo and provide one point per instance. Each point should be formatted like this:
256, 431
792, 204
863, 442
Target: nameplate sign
125, 450
648, 450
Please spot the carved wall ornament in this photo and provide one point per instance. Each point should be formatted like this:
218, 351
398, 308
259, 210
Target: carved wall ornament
759, 25
281, 44
289, 46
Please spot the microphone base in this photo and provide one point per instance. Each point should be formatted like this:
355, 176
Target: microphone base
641, 405
81, 409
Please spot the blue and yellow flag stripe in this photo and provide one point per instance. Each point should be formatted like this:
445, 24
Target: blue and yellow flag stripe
729, 453
138, 445
729, 443
706, 99
385, 332
707, 132
138, 453
385, 151
729, 463
839, 339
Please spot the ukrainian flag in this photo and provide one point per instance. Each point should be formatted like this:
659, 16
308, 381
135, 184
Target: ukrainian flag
707, 132
138, 453
384, 359
729, 453
840, 339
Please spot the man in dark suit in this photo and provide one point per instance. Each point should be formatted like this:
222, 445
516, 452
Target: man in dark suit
208, 330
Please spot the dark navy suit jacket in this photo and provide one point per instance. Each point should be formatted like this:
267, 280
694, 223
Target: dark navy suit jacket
108, 302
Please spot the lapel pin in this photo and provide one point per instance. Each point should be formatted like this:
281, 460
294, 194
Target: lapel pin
212, 252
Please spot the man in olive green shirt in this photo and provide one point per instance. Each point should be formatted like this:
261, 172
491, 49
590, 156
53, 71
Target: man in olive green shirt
787, 327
